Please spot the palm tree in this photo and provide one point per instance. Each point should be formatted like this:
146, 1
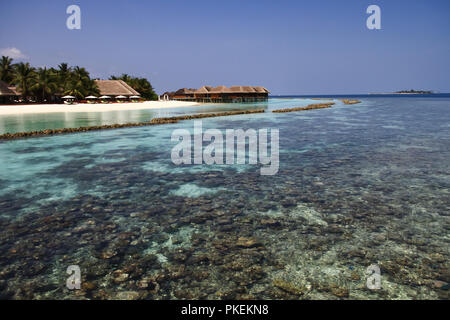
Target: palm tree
91, 88
141, 85
63, 76
74, 87
144, 87
80, 84
24, 77
45, 83
124, 77
80, 74
6, 69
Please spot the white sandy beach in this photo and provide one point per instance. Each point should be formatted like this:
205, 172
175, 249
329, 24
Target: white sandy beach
97, 107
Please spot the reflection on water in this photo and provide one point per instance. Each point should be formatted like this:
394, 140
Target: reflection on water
358, 185
36, 122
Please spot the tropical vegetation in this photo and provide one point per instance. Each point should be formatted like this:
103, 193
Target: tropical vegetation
141, 85
44, 84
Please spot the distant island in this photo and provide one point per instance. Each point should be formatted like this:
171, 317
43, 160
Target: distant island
414, 91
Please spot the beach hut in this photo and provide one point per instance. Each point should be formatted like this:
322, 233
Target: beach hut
8, 94
166, 96
69, 99
91, 99
114, 88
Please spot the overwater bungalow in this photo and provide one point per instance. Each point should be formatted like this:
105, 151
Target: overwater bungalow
183, 94
221, 94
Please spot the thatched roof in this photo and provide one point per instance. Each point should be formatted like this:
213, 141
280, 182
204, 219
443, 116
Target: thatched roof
202, 90
220, 89
115, 88
249, 89
261, 89
184, 91
224, 89
5, 91
15, 90
237, 89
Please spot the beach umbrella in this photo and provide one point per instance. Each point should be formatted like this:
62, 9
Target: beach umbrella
135, 97
91, 97
68, 97
121, 97
105, 97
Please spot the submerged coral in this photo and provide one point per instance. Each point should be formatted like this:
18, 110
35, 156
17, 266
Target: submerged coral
345, 198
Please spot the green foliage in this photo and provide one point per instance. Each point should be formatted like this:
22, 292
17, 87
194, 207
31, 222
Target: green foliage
6, 69
141, 85
43, 83
79, 84
63, 75
24, 78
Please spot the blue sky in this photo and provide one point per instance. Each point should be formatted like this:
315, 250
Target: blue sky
290, 47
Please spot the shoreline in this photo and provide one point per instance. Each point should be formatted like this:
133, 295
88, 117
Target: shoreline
86, 107
154, 121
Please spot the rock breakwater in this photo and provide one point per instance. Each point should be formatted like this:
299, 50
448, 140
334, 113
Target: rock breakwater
309, 107
155, 121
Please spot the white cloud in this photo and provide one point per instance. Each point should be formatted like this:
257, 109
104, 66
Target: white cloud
13, 53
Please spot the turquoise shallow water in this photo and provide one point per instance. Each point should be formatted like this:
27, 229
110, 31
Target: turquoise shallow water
58, 120
358, 185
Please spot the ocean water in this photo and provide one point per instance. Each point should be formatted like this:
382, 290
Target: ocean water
358, 185
58, 120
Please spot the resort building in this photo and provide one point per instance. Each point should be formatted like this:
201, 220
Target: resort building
111, 88
8, 94
220, 94
114, 88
